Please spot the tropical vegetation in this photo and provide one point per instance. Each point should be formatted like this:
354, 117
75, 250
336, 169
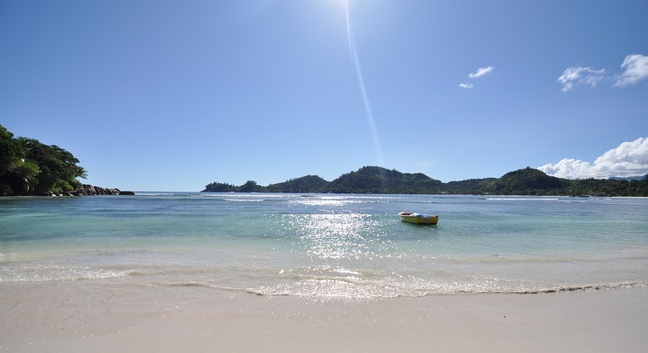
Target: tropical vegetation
29, 167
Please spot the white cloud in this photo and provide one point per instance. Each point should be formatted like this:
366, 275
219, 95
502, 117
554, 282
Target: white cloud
635, 68
628, 159
481, 72
575, 75
477, 74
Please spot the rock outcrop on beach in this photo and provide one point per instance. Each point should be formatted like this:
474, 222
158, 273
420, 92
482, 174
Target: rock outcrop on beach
91, 190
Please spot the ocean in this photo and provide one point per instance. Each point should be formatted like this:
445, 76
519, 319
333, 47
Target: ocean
326, 246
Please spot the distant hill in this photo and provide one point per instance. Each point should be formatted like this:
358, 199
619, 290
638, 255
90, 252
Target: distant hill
378, 180
305, 184
630, 178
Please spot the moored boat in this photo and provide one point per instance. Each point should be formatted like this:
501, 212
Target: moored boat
417, 218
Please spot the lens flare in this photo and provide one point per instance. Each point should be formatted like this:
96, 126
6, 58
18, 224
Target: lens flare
354, 56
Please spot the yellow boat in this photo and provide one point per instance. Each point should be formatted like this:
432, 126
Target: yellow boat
417, 218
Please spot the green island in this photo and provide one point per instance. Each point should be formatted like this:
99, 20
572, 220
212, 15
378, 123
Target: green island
378, 180
29, 167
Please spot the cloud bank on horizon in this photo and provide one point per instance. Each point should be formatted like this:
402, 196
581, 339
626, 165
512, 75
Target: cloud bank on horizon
634, 70
627, 160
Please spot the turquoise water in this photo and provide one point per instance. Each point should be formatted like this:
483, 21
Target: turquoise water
327, 245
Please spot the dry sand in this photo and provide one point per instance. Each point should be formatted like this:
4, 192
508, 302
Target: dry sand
96, 317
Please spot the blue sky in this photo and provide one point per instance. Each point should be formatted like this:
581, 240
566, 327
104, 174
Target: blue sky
173, 95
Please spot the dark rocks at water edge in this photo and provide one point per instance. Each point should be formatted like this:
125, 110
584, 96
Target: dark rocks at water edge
90, 190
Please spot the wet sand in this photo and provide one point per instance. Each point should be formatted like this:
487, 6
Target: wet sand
108, 317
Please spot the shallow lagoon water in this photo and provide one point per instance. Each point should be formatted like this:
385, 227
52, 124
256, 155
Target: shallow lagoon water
327, 246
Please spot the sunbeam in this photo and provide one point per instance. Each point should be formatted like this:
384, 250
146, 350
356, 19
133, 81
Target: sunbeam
354, 56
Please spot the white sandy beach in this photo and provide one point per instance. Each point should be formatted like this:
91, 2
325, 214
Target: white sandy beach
103, 318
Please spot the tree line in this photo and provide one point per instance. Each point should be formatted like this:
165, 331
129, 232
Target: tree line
378, 180
29, 167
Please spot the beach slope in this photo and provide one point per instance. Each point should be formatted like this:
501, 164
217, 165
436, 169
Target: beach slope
55, 318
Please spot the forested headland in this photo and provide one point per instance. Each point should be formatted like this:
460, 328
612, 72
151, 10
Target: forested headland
378, 180
31, 168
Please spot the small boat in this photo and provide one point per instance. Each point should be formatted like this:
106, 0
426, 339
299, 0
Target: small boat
417, 218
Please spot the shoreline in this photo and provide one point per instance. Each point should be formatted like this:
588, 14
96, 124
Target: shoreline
107, 317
